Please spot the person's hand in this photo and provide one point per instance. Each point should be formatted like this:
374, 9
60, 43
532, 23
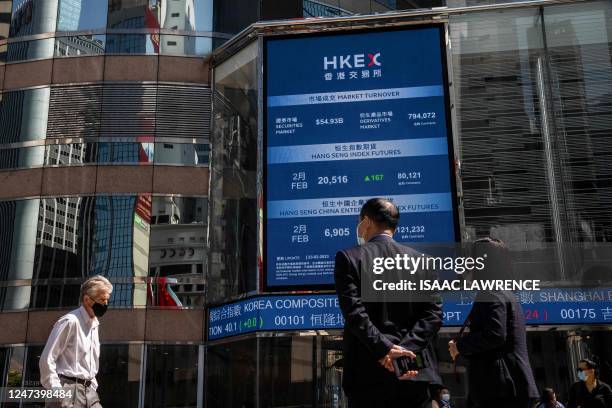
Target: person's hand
408, 375
394, 353
453, 350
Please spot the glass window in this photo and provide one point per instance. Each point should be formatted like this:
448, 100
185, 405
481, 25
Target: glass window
231, 372
300, 370
70, 154
178, 251
79, 45
33, 17
29, 50
196, 15
234, 244
16, 360
121, 234
578, 37
354, 6
106, 153
180, 153
23, 115
32, 372
61, 294
185, 45
22, 157
232, 16
286, 371
125, 153
527, 180
3, 52
18, 238
334, 8
4, 364
505, 137
129, 14
464, 3
5, 18
312, 8
132, 43
78, 15
119, 374
65, 239
172, 375
82, 236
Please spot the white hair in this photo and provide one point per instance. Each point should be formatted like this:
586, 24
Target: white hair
92, 285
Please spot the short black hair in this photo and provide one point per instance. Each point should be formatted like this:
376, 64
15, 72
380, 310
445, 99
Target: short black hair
592, 365
547, 395
381, 211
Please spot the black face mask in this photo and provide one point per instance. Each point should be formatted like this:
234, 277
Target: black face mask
99, 309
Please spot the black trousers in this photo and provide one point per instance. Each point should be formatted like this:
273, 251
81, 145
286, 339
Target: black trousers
404, 394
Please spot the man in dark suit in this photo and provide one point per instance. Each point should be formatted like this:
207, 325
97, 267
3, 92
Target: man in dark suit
499, 373
377, 333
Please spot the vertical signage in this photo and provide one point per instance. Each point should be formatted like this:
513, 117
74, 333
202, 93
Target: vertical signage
350, 117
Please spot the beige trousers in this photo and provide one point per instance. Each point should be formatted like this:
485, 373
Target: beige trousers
82, 397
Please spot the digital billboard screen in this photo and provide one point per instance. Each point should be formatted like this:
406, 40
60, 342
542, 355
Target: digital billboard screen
348, 117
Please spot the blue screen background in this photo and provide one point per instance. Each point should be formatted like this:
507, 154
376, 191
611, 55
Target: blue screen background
338, 135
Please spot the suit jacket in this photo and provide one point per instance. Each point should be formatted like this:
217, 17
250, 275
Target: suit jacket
496, 347
581, 397
370, 330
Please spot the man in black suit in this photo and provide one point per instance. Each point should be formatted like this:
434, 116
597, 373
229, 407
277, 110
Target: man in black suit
377, 333
499, 373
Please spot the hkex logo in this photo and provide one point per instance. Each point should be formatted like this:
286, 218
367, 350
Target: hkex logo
351, 61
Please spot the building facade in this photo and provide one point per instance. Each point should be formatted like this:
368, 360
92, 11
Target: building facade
121, 155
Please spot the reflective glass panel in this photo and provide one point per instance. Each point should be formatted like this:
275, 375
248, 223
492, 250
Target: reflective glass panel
119, 375
17, 249
180, 153
70, 154
232, 16
22, 157
4, 353
33, 17
125, 153
23, 115
29, 50
103, 153
172, 376
16, 369
79, 45
64, 240
233, 245
178, 251
132, 43
5, 18
579, 41
231, 372
77, 15
193, 15
3, 51
32, 372
185, 45
535, 134
128, 14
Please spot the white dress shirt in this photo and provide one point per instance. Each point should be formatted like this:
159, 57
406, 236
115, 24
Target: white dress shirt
73, 349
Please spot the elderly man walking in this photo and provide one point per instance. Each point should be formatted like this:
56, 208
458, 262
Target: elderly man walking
70, 358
